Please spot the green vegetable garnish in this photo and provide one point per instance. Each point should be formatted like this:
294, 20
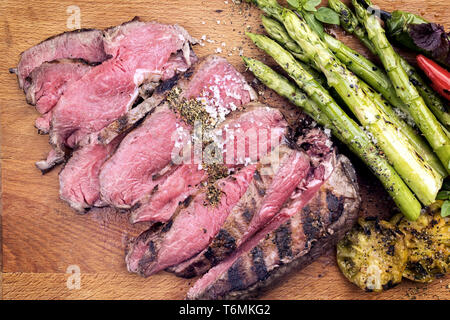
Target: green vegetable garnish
326, 15
310, 5
445, 210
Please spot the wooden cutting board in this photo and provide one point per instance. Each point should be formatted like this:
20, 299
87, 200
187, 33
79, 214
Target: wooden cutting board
42, 238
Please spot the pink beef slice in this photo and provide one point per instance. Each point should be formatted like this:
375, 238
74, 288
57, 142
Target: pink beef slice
123, 182
43, 123
86, 44
287, 244
282, 185
79, 180
49, 80
216, 75
135, 167
191, 228
142, 51
257, 125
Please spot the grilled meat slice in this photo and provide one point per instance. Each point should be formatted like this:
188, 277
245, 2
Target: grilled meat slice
244, 137
290, 245
196, 221
242, 224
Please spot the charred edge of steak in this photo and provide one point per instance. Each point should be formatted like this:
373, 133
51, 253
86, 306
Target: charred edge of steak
296, 130
74, 60
135, 18
168, 84
317, 247
63, 33
143, 237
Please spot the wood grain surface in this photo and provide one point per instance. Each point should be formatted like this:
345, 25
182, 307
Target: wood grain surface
42, 237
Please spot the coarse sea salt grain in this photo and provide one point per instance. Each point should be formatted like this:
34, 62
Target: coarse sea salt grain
218, 50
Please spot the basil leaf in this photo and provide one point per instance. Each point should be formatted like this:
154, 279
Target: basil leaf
445, 210
326, 15
294, 3
310, 5
443, 195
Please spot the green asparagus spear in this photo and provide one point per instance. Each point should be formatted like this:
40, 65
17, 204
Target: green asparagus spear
347, 131
416, 140
316, 92
424, 119
418, 175
378, 79
350, 23
284, 88
361, 66
277, 32
357, 63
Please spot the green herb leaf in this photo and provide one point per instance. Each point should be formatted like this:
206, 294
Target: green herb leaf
294, 3
310, 5
445, 210
443, 195
326, 15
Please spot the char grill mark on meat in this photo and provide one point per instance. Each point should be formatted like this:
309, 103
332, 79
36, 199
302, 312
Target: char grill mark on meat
137, 180
270, 188
86, 44
266, 126
321, 165
292, 245
189, 230
108, 90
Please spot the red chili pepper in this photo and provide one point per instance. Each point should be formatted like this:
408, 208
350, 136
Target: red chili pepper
439, 77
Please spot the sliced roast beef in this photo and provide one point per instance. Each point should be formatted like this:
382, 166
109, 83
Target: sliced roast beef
108, 90
191, 228
273, 165
42, 123
213, 80
257, 127
125, 182
79, 180
48, 81
136, 166
288, 244
288, 183
86, 44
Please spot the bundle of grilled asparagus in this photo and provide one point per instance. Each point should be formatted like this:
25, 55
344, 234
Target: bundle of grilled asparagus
401, 132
